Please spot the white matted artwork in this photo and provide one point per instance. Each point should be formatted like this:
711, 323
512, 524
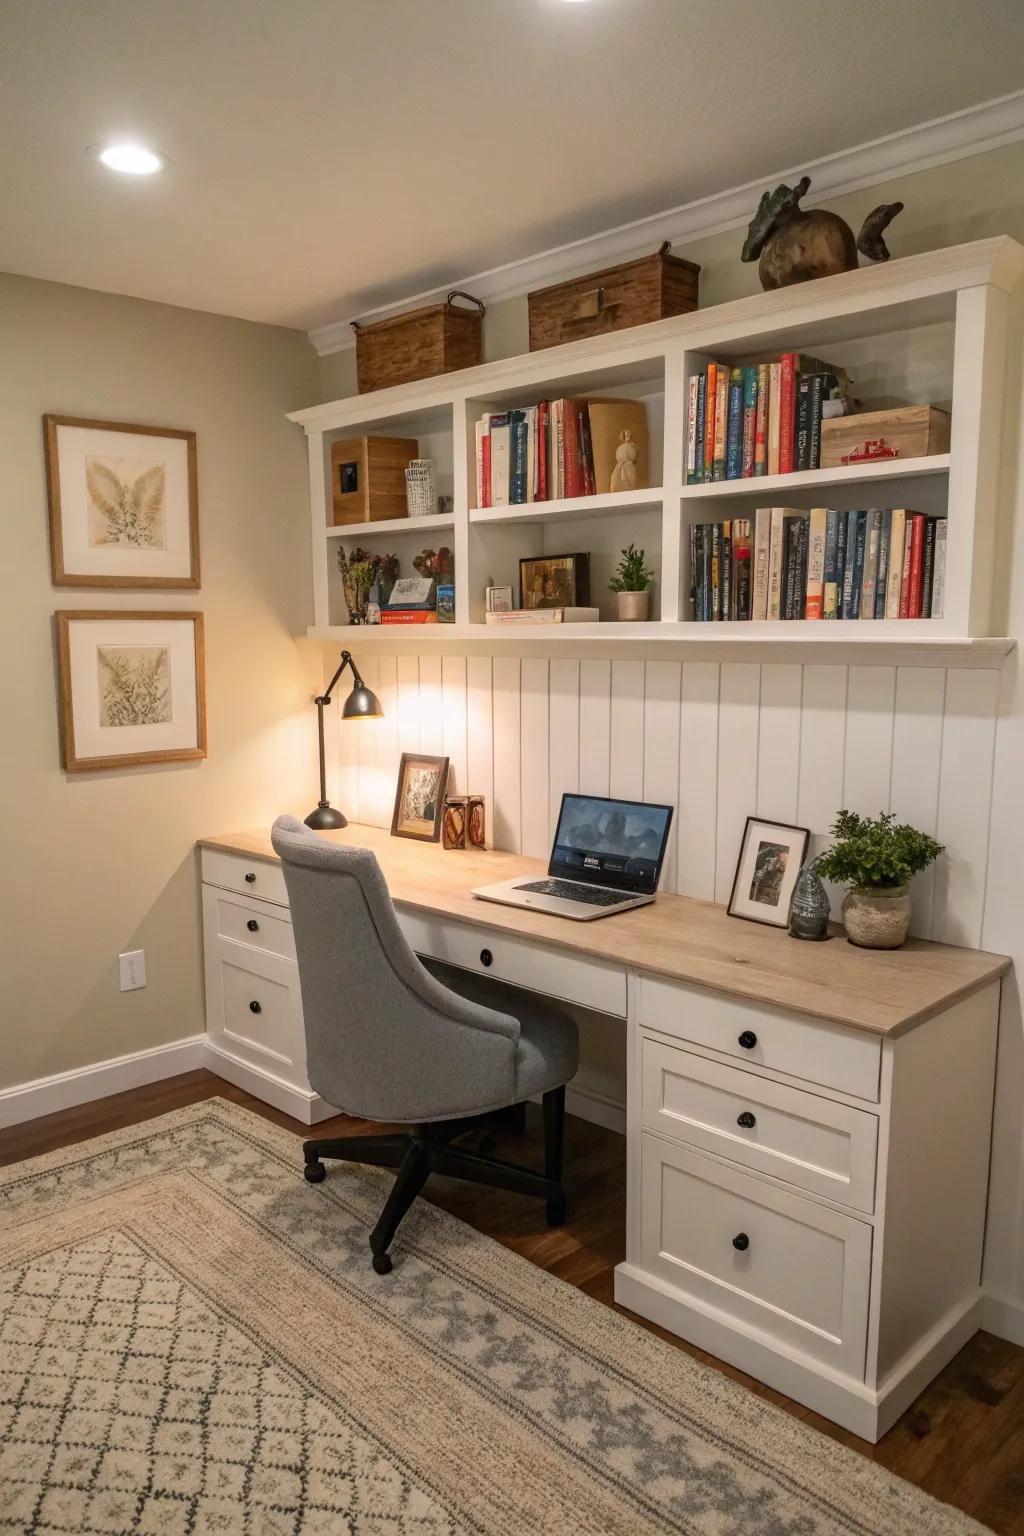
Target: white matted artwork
771, 857
131, 688
123, 504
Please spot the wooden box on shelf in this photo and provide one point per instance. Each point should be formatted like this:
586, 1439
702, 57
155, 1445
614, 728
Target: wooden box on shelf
368, 478
906, 432
439, 338
652, 288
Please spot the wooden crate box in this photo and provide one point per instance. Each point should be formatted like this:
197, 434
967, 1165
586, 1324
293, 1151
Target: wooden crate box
651, 288
906, 432
368, 478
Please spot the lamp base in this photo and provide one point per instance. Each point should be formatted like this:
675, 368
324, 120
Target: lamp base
325, 818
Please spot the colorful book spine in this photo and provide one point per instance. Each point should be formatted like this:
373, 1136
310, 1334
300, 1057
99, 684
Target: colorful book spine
725, 569
742, 558
774, 415
691, 429
706, 567
734, 429
894, 579
916, 564
832, 571
543, 449
716, 571
787, 410
814, 607
843, 522
908, 542
884, 547
702, 396
939, 576
710, 397
518, 433
749, 376
721, 421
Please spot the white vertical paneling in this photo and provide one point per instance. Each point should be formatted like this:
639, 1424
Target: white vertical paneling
662, 685
595, 726
366, 734
431, 706
346, 745
563, 735
480, 735
626, 765
534, 756
778, 749
507, 818
453, 707
737, 765
965, 798
867, 761
916, 753
697, 816
408, 704
822, 747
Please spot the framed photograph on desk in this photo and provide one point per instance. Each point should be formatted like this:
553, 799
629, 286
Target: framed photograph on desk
771, 857
419, 798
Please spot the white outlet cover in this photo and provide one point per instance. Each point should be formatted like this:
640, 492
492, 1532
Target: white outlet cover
133, 970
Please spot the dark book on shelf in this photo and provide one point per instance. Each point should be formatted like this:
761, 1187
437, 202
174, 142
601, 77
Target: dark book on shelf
855, 561
749, 376
802, 426
741, 535
927, 567
822, 386
517, 457
884, 552
833, 575
702, 396
716, 570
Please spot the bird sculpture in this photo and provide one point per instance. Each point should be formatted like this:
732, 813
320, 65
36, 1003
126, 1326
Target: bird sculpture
796, 244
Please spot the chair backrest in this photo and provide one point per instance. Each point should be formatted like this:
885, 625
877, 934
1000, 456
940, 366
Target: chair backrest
384, 1039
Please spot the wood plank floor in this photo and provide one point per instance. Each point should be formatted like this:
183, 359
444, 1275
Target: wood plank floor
963, 1440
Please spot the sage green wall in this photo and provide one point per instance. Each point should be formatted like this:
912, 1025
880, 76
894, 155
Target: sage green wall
947, 205
97, 863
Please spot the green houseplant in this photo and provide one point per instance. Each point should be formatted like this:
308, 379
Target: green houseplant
875, 857
631, 584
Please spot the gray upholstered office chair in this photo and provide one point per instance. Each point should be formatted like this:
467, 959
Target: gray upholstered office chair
441, 1050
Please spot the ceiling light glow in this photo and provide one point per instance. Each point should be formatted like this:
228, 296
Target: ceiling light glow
129, 159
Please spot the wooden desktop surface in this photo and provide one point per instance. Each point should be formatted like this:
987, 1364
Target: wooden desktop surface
882, 992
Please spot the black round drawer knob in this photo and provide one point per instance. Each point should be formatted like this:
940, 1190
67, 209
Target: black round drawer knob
254, 1007
250, 878
746, 1120
741, 1241
252, 925
748, 1039
486, 958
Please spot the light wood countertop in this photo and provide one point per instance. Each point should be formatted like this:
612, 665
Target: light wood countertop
695, 942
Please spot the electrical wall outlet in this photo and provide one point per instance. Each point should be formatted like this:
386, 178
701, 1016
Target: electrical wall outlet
133, 970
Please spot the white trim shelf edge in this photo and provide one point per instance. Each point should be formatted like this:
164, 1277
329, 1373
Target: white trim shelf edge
807, 479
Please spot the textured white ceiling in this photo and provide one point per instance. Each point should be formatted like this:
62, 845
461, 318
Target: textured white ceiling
328, 156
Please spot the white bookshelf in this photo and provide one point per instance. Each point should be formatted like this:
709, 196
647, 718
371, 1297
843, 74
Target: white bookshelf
925, 328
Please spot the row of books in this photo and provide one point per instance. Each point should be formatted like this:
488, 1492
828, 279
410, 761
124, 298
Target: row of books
761, 418
569, 447
882, 563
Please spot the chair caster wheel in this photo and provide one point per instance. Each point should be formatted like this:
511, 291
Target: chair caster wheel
382, 1263
488, 1145
315, 1173
556, 1212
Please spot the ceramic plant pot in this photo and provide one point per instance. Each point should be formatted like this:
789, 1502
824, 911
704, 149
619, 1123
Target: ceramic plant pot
878, 918
634, 607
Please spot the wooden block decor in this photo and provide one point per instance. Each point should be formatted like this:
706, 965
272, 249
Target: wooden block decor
906, 432
368, 478
440, 338
652, 288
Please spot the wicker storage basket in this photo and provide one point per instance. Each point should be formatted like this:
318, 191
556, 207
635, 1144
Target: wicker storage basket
651, 288
440, 338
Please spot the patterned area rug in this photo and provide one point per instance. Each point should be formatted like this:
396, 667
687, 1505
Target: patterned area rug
192, 1342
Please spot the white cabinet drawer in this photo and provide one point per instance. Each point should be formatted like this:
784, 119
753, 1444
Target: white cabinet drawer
254, 1008
797, 1136
259, 924
774, 1261
525, 964
766, 1037
253, 877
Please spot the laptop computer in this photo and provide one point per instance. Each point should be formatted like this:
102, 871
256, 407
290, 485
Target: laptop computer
606, 857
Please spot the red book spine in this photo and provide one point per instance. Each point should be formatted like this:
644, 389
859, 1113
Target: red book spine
408, 616
573, 464
709, 420
543, 417
916, 548
787, 406
908, 544
485, 460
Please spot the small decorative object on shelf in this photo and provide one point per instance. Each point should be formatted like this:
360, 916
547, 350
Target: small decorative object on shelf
555, 581
650, 288
476, 824
875, 857
446, 602
436, 339
771, 857
419, 488
809, 909
368, 478
445, 506
632, 586
361, 572
497, 599
419, 797
454, 826
906, 432
796, 244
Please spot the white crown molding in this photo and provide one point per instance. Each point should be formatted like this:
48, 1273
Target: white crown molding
939, 142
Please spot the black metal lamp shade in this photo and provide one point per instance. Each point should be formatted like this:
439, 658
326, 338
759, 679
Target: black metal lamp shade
361, 704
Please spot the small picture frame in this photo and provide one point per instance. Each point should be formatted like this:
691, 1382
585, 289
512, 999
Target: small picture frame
419, 797
555, 581
771, 857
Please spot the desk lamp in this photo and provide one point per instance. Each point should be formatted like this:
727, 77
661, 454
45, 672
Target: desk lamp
361, 704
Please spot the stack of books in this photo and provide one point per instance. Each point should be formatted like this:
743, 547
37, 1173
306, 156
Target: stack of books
761, 418
513, 616
785, 563
560, 448
413, 600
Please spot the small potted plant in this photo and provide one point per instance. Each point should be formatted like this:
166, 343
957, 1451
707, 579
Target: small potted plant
631, 584
875, 857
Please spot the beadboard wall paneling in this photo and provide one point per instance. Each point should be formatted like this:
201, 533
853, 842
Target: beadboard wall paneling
719, 741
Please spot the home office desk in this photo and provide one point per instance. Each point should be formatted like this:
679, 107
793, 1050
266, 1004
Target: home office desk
808, 1125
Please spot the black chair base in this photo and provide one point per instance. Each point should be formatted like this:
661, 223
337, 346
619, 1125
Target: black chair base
427, 1149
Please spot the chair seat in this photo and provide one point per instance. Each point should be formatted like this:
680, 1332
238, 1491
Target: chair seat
549, 1045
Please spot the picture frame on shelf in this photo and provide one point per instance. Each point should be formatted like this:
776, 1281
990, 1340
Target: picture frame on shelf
420, 797
554, 581
123, 504
771, 856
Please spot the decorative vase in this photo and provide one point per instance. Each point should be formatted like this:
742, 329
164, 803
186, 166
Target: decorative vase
809, 909
634, 607
877, 917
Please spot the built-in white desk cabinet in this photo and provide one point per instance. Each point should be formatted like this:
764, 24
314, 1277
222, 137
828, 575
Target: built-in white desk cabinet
808, 1125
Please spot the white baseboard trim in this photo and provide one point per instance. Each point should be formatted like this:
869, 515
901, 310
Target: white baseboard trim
66, 1090
1004, 1317
589, 1104
301, 1103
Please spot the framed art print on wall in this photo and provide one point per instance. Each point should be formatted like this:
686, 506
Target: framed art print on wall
132, 688
771, 857
124, 504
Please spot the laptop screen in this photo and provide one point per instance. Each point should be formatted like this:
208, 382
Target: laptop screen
620, 843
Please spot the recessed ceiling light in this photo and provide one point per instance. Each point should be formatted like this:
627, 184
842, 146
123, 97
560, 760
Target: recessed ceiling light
129, 159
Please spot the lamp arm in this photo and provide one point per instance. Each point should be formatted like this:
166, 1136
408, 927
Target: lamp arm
346, 661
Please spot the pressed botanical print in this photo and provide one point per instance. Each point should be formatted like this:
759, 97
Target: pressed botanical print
126, 503
135, 684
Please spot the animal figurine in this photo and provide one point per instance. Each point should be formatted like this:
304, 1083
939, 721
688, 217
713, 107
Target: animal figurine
796, 245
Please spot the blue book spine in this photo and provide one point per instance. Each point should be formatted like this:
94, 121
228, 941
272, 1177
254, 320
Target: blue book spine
857, 573
850, 520
883, 563
517, 457
702, 408
734, 430
833, 566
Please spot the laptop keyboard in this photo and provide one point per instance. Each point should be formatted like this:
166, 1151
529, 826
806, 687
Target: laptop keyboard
573, 890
